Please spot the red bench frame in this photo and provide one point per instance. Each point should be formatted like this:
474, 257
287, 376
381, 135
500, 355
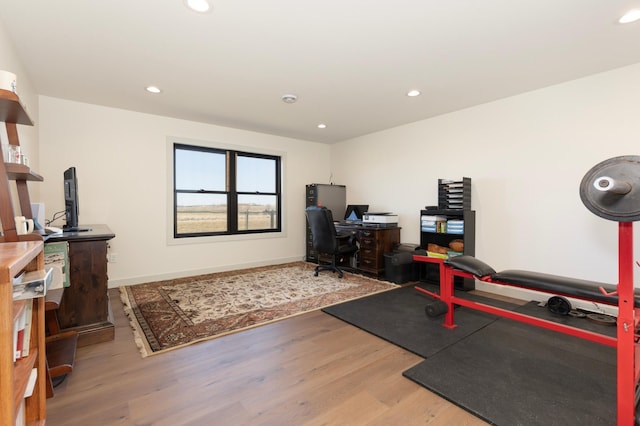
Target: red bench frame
626, 338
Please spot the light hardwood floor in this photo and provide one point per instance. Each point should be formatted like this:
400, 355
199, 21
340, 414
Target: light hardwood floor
312, 369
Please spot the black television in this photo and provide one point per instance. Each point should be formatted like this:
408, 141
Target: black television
71, 208
355, 212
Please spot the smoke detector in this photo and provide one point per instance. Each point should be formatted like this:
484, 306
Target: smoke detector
289, 99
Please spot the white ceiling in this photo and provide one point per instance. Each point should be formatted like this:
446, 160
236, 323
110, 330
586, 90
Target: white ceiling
350, 62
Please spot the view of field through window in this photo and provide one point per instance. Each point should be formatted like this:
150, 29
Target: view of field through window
198, 219
201, 192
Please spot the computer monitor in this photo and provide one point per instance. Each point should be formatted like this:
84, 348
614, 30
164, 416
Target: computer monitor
355, 212
71, 209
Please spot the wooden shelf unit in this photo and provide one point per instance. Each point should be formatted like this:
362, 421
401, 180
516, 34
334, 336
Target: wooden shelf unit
21, 172
12, 112
431, 271
15, 258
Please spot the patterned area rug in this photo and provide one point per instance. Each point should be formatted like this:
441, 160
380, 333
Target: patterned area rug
171, 314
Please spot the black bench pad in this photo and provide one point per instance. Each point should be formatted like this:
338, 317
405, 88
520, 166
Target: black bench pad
554, 284
471, 265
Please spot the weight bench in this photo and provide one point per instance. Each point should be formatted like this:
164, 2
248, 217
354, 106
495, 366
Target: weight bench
470, 267
554, 284
611, 190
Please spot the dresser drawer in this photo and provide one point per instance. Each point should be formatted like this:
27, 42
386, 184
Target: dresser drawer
368, 253
371, 265
373, 244
368, 233
368, 243
371, 253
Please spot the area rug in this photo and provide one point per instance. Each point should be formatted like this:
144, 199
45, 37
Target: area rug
170, 314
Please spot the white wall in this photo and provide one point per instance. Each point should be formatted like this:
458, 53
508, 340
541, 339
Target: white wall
123, 176
526, 156
9, 61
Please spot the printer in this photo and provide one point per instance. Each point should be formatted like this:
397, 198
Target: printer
380, 219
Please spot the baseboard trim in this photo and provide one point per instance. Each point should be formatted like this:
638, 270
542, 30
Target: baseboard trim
181, 274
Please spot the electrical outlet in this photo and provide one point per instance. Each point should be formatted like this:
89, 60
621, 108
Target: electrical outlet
112, 258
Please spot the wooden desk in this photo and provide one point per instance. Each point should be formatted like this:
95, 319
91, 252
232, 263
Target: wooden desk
85, 305
374, 243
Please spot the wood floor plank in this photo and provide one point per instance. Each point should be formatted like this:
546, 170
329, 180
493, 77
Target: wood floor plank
308, 370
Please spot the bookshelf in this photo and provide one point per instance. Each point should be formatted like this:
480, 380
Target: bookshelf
443, 238
452, 220
16, 257
19, 253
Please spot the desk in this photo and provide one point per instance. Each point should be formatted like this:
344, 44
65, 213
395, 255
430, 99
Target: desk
85, 304
374, 243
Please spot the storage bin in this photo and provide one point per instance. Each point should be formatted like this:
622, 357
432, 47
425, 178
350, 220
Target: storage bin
399, 267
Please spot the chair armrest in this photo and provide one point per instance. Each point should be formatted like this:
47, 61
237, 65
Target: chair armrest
346, 238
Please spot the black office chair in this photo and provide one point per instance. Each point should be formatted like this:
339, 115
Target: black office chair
327, 241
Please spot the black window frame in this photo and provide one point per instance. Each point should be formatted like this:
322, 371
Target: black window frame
231, 192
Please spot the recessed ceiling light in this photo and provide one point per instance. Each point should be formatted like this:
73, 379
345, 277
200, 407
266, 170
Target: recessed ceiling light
153, 89
413, 93
322, 126
289, 99
200, 6
630, 16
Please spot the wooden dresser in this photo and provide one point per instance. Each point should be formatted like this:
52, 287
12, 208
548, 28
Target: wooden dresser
85, 305
374, 243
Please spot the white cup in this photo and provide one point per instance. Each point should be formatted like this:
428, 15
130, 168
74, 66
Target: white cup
16, 154
24, 225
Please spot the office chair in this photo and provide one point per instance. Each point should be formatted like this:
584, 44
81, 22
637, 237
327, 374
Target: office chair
327, 241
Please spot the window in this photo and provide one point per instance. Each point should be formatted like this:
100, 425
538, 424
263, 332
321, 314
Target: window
224, 192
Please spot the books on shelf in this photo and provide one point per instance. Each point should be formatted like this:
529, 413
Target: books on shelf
22, 331
437, 255
18, 335
29, 285
432, 223
455, 226
26, 341
440, 224
31, 383
446, 255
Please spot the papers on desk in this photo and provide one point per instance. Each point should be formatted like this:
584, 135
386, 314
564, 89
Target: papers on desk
56, 255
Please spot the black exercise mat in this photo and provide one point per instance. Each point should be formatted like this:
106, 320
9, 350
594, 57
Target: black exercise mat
398, 316
510, 373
